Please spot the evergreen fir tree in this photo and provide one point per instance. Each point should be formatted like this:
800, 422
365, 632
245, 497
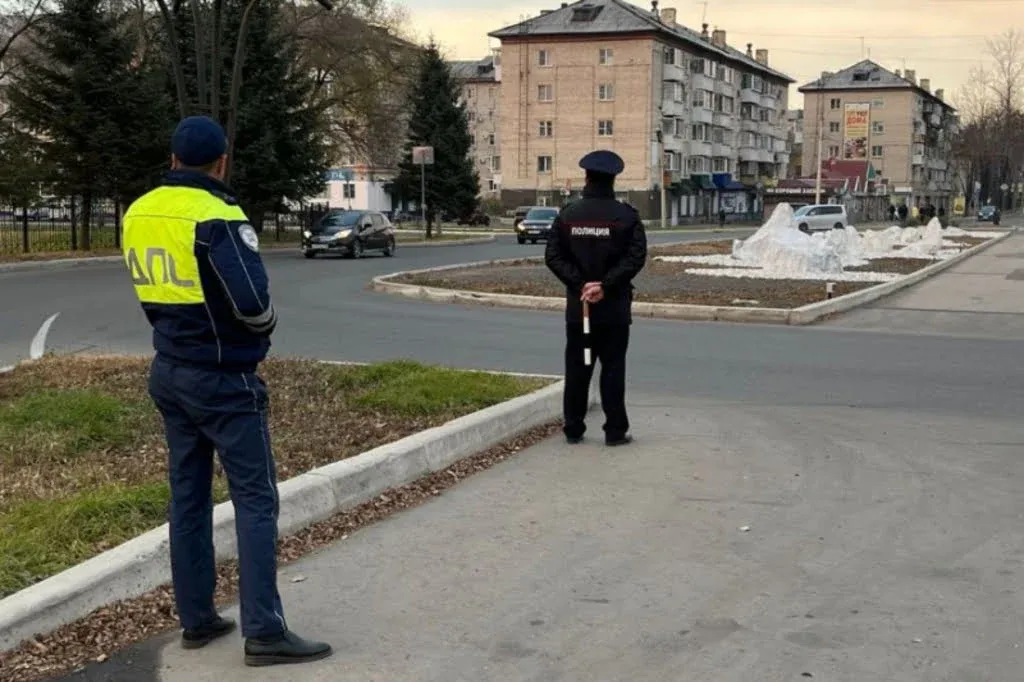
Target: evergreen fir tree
88, 106
279, 152
439, 121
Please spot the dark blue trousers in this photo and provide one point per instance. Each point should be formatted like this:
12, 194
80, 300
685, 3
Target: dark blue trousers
203, 411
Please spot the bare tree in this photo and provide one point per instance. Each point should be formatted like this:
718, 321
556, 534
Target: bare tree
14, 25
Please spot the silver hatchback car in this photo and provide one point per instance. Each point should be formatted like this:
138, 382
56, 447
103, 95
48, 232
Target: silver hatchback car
820, 217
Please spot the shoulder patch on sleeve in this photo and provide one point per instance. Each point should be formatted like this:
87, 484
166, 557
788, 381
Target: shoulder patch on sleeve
249, 237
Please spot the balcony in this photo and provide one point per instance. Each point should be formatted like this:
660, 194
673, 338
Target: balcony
937, 164
702, 82
721, 149
674, 72
750, 96
748, 124
935, 118
700, 148
720, 118
767, 128
702, 115
674, 143
671, 107
724, 88
768, 100
918, 159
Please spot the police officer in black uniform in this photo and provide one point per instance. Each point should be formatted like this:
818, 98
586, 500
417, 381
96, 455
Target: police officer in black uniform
597, 246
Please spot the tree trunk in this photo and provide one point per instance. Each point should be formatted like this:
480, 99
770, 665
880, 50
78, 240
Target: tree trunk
86, 221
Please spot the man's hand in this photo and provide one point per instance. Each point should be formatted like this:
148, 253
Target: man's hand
593, 292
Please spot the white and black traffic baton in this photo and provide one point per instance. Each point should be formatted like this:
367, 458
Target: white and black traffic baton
586, 333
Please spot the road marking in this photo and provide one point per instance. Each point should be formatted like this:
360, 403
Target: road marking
37, 348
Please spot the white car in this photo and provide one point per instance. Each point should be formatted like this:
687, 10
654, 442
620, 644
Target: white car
820, 217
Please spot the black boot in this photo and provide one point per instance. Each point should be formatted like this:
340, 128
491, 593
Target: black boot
197, 638
285, 648
613, 441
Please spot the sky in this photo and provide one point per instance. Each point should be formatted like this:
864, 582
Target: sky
939, 39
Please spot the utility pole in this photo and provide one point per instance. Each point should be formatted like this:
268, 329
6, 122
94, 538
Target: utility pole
821, 137
663, 173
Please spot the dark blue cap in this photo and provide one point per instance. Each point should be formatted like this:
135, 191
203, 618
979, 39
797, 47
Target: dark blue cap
198, 141
602, 161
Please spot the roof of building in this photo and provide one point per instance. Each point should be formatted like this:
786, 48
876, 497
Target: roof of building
866, 75
617, 16
473, 70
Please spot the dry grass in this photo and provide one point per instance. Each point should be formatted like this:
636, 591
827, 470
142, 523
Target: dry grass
712, 248
82, 453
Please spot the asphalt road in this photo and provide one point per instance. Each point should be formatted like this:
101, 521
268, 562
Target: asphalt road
875, 472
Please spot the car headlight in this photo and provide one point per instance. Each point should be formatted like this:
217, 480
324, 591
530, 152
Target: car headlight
343, 234
307, 234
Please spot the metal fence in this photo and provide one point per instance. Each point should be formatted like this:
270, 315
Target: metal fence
57, 226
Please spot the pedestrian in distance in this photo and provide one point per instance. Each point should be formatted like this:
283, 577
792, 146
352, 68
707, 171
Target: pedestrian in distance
597, 247
195, 264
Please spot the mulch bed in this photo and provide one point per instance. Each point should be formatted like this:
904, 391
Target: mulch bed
108, 629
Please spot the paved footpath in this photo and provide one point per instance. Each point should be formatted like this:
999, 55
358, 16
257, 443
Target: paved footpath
982, 297
729, 543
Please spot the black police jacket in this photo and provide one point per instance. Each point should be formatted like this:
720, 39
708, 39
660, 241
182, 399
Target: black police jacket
597, 239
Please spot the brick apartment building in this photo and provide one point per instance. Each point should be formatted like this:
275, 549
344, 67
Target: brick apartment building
480, 81
889, 119
677, 105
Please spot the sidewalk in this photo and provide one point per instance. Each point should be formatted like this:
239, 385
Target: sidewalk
728, 543
981, 297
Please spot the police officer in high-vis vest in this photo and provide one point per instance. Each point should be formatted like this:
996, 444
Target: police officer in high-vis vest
597, 246
195, 263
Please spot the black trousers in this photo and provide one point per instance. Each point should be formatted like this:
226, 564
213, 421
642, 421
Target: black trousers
608, 344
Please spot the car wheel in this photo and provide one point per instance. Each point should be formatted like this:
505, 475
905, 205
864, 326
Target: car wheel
838, 226
805, 228
357, 249
533, 241
389, 247
521, 240
309, 253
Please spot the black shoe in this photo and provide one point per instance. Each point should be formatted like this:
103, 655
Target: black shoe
574, 440
618, 440
197, 638
285, 648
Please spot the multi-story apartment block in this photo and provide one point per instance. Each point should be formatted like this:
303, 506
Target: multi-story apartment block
684, 110
890, 119
480, 81
795, 131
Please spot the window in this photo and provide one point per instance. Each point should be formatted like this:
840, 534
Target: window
748, 140
491, 185
668, 126
702, 98
545, 93
703, 66
697, 164
720, 136
724, 104
833, 126
749, 111
472, 140
471, 116
720, 165
834, 103
765, 115
605, 55
605, 128
543, 164
543, 58
833, 151
673, 92
545, 129
723, 73
495, 163
681, 127
490, 139
606, 92
877, 127
348, 190
670, 56
878, 104
700, 132
876, 151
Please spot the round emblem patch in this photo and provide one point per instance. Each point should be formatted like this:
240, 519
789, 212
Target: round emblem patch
249, 236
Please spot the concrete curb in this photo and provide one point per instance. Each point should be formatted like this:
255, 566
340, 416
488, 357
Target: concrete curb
142, 564
796, 316
449, 242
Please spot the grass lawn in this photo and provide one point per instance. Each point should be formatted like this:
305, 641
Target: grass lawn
83, 458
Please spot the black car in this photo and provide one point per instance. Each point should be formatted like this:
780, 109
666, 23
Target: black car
351, 233
536, 224
988, 213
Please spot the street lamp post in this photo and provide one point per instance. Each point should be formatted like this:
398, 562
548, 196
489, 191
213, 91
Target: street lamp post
209, 93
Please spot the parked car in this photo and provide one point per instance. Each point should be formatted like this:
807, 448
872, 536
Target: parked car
475, 218
536, 224
820, 217
350, 233
988, 214
520, 214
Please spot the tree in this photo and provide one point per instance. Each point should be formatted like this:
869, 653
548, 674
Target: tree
439, 120
278, 151
14, 24
78, 92
21, 173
